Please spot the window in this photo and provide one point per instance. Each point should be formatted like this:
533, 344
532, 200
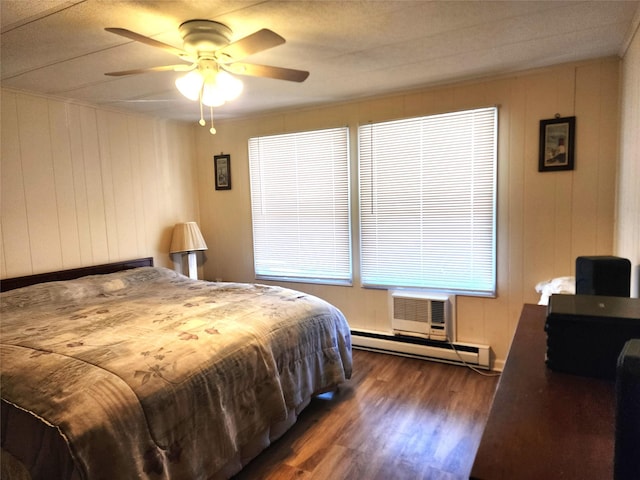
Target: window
300, 206
428, 202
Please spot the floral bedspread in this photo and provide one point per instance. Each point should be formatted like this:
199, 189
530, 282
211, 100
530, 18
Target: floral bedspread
149, 374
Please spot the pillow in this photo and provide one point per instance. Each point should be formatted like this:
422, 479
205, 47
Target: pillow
566, 285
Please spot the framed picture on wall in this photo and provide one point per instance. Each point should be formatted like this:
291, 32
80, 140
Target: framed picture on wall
222, 171
557, 140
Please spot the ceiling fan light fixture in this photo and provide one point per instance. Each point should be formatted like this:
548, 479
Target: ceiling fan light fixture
216, 87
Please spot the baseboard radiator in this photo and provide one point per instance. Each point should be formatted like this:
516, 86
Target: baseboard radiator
423, 348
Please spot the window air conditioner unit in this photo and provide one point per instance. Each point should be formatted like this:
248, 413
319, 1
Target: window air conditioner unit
423, 314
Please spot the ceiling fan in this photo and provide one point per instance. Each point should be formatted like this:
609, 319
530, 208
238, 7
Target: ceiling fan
210, 58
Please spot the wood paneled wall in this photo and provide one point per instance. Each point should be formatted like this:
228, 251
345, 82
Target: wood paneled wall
83, 185
628, 192
545, 220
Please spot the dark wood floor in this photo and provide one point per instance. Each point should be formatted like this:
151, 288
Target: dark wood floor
397, 418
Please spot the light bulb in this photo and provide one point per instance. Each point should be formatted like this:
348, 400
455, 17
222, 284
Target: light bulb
190, 85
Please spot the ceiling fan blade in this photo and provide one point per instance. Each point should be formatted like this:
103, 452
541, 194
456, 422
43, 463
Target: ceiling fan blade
146, 40
254, 43
163, 68
278, 73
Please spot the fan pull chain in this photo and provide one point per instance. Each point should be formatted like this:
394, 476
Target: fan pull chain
212, 129
201, 121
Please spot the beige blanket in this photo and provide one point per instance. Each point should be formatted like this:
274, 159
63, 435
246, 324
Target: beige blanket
149, 374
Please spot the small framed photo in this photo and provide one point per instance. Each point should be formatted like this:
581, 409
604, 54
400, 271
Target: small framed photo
557, 140
222, 164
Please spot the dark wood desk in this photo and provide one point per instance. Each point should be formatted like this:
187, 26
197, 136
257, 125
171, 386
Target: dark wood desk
545, 424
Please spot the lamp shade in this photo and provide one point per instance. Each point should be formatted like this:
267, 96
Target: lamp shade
187, 238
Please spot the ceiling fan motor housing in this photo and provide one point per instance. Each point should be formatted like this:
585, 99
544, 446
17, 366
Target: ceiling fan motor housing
204, 35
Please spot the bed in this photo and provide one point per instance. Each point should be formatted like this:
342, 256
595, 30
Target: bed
145, 373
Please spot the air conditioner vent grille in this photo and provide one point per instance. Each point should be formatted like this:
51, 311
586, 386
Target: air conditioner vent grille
411, 310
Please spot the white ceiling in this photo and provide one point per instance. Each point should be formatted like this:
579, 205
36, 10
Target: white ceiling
353, 49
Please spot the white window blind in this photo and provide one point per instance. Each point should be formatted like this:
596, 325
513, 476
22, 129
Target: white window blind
428, 202
300, 206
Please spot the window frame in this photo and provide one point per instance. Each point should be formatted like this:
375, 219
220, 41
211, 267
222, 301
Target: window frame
487, 289
342, 276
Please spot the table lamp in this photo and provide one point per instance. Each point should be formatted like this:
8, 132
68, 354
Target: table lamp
188, 239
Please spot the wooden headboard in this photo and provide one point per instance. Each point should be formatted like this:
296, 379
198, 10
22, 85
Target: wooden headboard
17, 282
